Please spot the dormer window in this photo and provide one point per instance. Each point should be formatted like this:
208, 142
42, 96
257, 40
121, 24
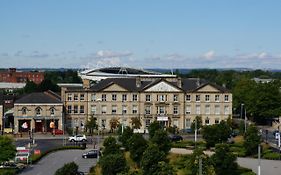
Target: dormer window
52, 111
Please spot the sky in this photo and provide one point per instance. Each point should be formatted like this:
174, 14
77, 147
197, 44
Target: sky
140, 33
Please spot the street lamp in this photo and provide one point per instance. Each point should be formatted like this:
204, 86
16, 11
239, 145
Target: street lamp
245, 118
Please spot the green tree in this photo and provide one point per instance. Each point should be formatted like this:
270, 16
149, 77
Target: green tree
114, 122
165, 169
92, 124
30, 87
68, 169
7, 149
137, 146
110, 146
162, 140
198, 124
153, 127
252, 140
224, 160
125, 136
151, 157
48, 84
136, 123
113, 164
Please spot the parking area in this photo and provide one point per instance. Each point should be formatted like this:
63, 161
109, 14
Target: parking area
49, 164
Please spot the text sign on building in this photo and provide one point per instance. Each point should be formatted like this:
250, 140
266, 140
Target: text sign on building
162, 118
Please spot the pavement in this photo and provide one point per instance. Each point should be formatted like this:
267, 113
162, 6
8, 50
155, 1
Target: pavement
52, 162
268, 167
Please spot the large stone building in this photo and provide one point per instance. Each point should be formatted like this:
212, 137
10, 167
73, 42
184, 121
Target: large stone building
36, 111
172, 101
13, 76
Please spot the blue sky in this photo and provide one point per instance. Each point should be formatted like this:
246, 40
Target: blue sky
140, 33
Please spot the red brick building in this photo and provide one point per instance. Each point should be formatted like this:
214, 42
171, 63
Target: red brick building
13, 76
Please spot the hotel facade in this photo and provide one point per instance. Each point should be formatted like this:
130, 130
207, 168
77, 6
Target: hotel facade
172, 101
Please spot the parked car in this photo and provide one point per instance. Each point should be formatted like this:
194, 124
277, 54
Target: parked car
77, 138
91, 154
12, 165
175, 138
58, 132
22, 157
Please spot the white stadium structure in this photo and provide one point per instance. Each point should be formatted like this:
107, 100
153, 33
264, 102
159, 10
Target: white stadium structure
119, 72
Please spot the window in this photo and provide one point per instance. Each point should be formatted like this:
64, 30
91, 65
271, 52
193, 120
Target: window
176, 110
75, 97
188, 109
207, 98
188, 98
161, 110
147, 123
176, 123
124, 97
176, 98
197, 98
52, 111
75, 109
38, 111
69, 97
161, 98
147, 98
82, 97
114, 97
226, 98
69, 109
103, 123
114, 109
217, 109
147, 109
103, 109
93, 98
217, 121
207, 109
135, 109
24, 111
124, 109
93, 109
217, 98
187, 123
103, 97
207, 121
135, 97
198, 109
226, 110
82, 109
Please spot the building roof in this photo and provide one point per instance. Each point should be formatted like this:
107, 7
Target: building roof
39, 97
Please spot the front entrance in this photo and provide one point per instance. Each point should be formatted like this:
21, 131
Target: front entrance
38, 125
24, 125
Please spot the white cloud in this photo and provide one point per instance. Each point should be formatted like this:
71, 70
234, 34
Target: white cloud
112, 54
209, 55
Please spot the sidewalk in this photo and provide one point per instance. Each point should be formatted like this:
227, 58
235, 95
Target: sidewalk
37, 136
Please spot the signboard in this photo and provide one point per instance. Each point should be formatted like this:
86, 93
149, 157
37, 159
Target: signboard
162, 118
37, 152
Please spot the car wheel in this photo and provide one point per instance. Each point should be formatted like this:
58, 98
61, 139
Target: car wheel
85, 157
84, 140
72, 140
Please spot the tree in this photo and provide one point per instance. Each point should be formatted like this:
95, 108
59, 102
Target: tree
137, 146
125, 136
217, 133
48, 84
252, 140
136, 123
7, 149
198, 124
151, 156
153, 127
162, 140
193, 163
30, 87
224, 160
68, 169
92, 124
110, 146
165, 169
113, 164
114, 122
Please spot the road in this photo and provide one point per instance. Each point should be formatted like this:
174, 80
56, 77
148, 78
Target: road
49, 164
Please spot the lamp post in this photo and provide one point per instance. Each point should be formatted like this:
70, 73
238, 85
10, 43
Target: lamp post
98, 138
259, 157
195, 132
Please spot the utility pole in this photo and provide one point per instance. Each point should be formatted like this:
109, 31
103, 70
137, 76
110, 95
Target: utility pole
259, 156
195, 132
245, 120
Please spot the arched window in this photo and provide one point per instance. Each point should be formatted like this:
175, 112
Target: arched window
23, 111
52, 111
38, 111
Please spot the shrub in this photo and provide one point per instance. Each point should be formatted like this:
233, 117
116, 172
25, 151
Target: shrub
68, 169
271, 155
112, 164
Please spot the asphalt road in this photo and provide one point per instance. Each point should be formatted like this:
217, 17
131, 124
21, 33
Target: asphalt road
49, 164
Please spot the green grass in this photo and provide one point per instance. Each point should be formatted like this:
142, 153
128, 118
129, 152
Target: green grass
8, 171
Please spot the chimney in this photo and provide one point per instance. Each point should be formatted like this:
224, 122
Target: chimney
138, 82
197, 82
86, 84
179, 82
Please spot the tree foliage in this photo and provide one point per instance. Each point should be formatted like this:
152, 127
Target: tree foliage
125, 136
114, 122
136, 123
113, 164
92, 124
68, 169
252, 140
110, 146
137, 146
224, 160
199, 125
153, 127
162, 140
7, 148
